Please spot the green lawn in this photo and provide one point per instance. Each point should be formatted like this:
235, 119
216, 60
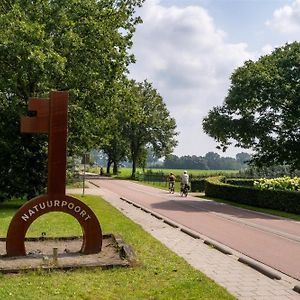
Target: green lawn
160, 273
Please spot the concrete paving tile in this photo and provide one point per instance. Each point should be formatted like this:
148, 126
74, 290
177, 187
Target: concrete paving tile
245, 293
242, 281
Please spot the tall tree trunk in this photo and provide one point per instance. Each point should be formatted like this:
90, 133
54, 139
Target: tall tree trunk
134, 157
133, 167
108, 166
115, 168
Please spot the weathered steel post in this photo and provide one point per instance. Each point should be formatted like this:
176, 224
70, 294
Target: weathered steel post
52, 118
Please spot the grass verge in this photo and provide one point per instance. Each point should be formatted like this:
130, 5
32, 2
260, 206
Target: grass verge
160, 273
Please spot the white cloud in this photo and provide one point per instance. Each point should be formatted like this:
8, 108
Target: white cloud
286, 19
187, 58
267, 49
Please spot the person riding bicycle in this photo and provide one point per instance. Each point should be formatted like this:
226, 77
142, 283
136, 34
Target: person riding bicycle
171, 180
184, 181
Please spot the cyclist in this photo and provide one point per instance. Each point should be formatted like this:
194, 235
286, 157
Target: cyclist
184, 183
171, 179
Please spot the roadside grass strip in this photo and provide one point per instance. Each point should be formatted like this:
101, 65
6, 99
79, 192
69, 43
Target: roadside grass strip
158, 273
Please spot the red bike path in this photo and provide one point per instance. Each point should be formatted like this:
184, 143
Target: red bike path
270, 240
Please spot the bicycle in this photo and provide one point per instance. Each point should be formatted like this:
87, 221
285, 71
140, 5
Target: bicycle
184, 190
171, 187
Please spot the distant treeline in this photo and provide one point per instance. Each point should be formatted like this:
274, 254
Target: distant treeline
211, 161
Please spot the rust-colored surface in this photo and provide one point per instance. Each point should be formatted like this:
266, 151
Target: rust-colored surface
57, 149
41, 205
52, 118
39, 123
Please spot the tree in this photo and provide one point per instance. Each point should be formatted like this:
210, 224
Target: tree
243, 157
147, 122
172, 162
110, 135
262, 109
151, 159
116, 150
213, 160
22, 159
75, 45
5, 5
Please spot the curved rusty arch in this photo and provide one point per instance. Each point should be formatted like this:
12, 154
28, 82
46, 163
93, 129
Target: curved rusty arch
38, 206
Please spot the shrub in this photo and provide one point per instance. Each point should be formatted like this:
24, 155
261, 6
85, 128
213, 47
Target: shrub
284, 183
240, 181
274, 199
154, 176
198, 185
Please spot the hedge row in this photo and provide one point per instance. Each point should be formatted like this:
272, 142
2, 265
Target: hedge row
240, 181
198, 185
274, 199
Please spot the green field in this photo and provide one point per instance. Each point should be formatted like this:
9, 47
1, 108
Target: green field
159, 274
126, 172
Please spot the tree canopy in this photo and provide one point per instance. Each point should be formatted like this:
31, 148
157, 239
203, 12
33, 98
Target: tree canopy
146, 121
262, 109
111, 140
75, 45
211, 161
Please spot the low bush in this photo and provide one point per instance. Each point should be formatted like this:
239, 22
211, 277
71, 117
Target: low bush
154, 177
240, 181
284, 183
198, 185
274, 199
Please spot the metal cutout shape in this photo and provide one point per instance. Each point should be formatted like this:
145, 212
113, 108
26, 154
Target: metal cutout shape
51, 117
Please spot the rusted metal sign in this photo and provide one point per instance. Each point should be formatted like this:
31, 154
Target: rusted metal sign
51, 118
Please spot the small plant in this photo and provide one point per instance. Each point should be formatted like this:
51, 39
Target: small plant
284, 183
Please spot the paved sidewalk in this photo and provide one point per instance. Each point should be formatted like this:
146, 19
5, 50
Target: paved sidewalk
239, 279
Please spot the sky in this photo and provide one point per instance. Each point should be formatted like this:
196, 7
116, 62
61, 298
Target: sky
188, 50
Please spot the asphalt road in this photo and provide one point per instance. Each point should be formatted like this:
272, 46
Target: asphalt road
268, 239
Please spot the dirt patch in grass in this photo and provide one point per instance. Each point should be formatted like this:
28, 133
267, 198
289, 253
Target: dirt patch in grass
114, 253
